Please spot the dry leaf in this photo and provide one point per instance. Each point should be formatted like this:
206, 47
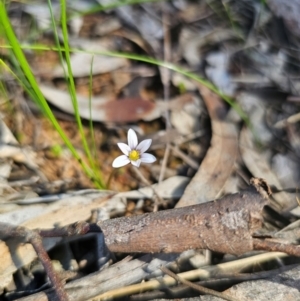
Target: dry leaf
259, 166
103, 109
218, 163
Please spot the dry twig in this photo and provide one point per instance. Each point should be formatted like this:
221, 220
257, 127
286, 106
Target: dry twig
33, 237
198, 287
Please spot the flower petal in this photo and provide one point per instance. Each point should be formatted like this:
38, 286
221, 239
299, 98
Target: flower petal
136, 163
144, 145
124, 148
120, 161
132, 139
147, 158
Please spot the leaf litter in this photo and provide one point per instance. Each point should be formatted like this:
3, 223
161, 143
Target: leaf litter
211, 153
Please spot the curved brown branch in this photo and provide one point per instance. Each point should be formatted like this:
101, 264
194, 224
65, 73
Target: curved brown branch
33, 237
271, 246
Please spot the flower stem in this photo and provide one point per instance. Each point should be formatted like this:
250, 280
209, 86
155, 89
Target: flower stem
157, 198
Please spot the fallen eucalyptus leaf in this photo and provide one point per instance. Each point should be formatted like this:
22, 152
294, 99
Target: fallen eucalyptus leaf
218, 163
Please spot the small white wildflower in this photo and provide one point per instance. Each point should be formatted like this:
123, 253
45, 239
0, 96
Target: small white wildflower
134, 153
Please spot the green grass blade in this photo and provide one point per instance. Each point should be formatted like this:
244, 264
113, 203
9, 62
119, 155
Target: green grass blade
91, 125
72, 89
35, 92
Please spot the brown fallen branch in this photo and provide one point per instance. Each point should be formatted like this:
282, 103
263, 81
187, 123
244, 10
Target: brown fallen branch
226, 225
276, 246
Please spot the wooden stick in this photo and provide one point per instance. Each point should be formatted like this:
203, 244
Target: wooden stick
198, 287
226, 225
33, 237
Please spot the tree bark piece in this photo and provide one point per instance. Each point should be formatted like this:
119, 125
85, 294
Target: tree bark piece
225, 225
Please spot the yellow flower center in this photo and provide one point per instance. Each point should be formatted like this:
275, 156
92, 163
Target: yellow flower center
134, 155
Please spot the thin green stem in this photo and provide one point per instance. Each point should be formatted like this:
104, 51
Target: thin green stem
71, 84
95, 165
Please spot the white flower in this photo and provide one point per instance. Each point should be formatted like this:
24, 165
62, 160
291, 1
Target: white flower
134, 153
